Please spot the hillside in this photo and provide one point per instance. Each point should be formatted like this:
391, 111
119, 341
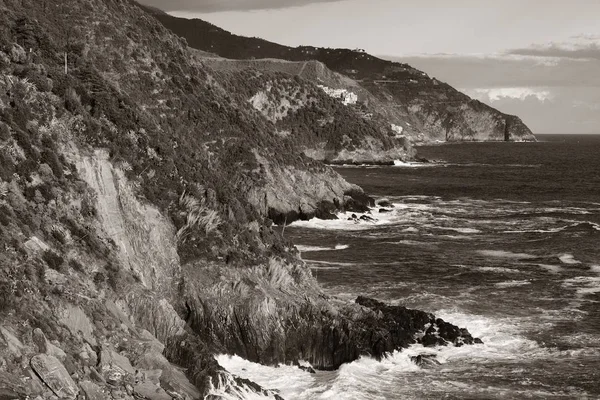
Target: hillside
426, 108
138, 194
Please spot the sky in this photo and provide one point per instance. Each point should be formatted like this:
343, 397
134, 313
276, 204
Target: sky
539, 59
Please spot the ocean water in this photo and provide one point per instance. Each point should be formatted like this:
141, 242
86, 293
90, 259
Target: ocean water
499, 238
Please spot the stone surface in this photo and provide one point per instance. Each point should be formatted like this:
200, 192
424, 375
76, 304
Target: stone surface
151, 391
114, 366
55, 376
78, 323
44, 346
92, 391
15, 347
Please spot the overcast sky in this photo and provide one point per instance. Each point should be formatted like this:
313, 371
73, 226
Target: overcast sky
539, 59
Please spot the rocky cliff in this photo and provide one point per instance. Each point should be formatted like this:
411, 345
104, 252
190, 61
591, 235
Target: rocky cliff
138, 191
426, 108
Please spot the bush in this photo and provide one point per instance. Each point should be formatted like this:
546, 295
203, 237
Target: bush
76, 265
54, 261
72, 100
49, 157
7, 298
4, 131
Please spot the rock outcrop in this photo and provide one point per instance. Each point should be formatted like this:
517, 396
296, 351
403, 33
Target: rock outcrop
139, 190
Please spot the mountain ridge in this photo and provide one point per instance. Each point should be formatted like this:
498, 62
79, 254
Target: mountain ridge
138, 194
426, 108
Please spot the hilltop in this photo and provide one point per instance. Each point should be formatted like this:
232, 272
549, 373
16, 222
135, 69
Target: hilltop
425, 108
139, 192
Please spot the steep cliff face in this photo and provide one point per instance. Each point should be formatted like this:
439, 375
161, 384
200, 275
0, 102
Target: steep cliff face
138, 191
427, 109
315, 109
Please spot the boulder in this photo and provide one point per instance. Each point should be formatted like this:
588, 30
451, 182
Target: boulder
92, 391
151, 391
55, 376
44, 346
78, 323
15, 347
114, 366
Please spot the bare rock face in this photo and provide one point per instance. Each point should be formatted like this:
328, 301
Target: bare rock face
55, 376
92, 391
75, 319
115, 367
44, 346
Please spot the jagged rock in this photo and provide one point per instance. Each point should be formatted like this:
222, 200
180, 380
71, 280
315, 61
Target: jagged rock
44, 346
95, 375
35, 245
54, 277
11, 387
88, 355
151, 391
385, 203
15, 347
425, 360
34, 385
55, 376
78, 323
92, 391
114, 366
410, 322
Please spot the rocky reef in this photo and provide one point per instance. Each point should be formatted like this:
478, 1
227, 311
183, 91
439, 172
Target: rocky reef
138, 193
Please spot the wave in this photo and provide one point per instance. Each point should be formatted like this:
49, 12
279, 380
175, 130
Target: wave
412, 164
553, 269
510, 284
506, 254
595, 268
499, 270
307, 249
462, 230
568, 259
351, 221
397, 376
583, 285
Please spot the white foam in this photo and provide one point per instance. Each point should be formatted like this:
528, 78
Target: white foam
289, 380
227, 389
397, 376
499, 270
568, 259
554, 269
509, 284
347, 223
583, 285
412, 164
411, 229
465, 230
505, 254
595, 268
307, 249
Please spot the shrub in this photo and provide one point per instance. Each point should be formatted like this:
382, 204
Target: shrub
76, 265
72, 100
49, 157
4, 131
54, 261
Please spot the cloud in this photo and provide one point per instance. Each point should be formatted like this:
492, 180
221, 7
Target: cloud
507, 70
208, 6
492, 95
582, 47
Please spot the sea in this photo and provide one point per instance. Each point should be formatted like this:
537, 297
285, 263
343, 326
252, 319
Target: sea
500, 238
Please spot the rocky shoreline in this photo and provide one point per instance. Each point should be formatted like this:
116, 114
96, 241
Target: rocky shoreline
138, 193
